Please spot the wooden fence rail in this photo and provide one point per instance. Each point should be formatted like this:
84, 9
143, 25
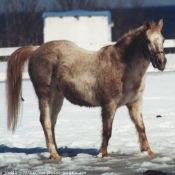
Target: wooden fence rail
170, 43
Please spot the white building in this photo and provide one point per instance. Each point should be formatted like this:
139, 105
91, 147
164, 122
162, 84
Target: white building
78, 26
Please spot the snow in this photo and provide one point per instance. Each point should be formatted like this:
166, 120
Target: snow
78, 134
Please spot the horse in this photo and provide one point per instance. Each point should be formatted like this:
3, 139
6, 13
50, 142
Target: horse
109, 78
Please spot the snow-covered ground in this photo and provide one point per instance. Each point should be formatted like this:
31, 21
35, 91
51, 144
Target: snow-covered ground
78, 134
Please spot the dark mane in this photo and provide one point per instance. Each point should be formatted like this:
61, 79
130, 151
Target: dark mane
127, 38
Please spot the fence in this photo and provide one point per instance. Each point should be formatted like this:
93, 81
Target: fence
7, 51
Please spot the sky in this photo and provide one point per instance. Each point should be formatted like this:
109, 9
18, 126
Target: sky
127, 3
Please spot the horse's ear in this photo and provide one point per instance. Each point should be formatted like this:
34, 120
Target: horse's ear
160, 24
147, 25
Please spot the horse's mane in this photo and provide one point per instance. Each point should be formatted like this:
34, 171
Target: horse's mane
128, 37
125, 40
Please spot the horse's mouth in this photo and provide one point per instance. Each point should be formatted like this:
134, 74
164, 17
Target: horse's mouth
159, 67
159, 64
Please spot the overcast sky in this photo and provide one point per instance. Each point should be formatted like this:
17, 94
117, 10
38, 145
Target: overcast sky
112, 2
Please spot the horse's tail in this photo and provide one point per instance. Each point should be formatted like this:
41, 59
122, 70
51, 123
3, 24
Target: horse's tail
14, 82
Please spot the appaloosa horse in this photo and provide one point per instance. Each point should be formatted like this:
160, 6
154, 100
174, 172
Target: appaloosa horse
111, 77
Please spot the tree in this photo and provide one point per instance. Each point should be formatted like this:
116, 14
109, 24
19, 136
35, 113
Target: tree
137, 3
67, 5
23, 24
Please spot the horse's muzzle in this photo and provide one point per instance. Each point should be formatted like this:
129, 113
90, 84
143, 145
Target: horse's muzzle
159, 61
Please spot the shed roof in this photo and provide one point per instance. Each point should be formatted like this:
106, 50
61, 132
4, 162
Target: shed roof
79, 13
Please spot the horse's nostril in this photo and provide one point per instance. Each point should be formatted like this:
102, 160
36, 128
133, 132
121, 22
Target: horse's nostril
159, 62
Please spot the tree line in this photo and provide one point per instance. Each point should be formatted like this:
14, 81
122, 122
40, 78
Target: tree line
22, 22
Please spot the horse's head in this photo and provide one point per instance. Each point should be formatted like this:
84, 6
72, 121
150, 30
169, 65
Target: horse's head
153, 44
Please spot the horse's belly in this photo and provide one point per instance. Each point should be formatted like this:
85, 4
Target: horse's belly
82, 100
80, 92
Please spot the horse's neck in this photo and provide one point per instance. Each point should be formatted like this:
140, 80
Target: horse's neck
140, 65
137, 65
134, 73
131, 49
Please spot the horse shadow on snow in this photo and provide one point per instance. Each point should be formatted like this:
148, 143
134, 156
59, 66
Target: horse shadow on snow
63, 151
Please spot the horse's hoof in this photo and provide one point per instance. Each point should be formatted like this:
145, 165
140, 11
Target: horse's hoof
103, 153
151, 153
55, 156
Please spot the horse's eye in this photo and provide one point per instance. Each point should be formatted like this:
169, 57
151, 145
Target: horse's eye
148, 41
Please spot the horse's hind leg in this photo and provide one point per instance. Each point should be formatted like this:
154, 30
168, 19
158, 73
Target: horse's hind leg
136, 116
55, 106
42, 68
108, 112
45, 119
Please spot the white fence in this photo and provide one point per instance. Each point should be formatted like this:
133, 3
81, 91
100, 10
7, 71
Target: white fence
7, 51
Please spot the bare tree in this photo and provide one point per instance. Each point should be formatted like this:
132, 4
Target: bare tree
137, 3
120, 3
23, 24
67, 5
118, 18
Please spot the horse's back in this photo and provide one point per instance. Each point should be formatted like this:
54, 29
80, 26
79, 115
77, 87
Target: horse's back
62, 51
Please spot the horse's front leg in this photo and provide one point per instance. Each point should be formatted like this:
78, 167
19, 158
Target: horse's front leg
135, 111
108, 112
